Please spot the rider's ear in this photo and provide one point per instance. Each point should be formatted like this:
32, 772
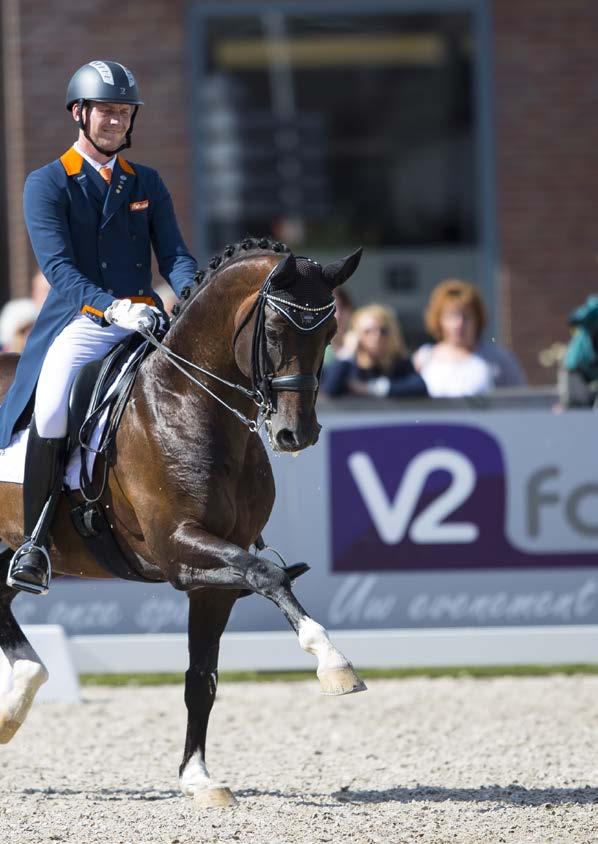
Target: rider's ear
339, 271
284, 272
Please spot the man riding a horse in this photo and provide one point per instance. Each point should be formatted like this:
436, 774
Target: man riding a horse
92, 218
188, 487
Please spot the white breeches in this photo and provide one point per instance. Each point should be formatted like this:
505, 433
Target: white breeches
79, 343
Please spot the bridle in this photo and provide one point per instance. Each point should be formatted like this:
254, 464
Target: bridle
265, 384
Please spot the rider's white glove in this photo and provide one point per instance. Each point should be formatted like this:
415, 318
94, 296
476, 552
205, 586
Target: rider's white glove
130, 315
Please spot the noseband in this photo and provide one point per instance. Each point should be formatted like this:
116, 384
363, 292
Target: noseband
264, 383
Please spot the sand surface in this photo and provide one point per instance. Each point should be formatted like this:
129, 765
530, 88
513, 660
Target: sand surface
422, 760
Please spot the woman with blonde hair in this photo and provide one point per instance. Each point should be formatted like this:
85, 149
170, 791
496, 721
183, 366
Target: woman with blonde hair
374, 359
455, 317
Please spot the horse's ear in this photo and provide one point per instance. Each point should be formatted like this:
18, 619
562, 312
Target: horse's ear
284, 272
339, 271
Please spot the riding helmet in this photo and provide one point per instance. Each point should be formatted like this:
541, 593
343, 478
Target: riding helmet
106, 82
103, 81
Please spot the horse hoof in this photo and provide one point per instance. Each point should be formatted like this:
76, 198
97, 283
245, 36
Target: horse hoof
217, 797
26, 677
8, 728
340, 681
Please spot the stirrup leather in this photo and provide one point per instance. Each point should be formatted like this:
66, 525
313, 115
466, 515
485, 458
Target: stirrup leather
13, 579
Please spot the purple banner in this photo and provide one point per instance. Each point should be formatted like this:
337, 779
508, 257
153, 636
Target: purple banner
416, 497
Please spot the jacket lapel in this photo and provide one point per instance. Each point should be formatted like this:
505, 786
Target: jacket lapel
123, 177
90, 182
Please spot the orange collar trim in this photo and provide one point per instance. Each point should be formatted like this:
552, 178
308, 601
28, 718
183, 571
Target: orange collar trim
72, 161
124, 165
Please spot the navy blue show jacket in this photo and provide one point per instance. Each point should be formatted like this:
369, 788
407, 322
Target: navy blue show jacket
93, 243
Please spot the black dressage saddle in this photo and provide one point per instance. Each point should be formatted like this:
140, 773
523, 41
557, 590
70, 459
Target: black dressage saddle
102, 386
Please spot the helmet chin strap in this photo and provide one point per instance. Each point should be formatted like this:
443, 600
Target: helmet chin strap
107, 152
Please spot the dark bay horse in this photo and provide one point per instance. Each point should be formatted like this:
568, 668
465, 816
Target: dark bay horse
190, 487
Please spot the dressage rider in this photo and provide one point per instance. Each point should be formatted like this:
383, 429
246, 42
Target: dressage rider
92, 218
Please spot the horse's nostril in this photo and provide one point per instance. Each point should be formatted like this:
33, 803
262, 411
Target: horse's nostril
286, 439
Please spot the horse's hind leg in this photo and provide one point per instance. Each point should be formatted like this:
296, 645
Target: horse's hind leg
208, 613
27, 671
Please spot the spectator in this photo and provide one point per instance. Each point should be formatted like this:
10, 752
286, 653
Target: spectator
373, 360
577, 379
344, 312
16, 321
459, 364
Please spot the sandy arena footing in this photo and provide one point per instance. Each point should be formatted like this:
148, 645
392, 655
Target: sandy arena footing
419, 760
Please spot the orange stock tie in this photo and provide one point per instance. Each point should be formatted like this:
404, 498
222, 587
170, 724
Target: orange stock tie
106, 174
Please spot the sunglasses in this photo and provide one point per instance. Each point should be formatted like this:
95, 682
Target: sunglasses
382, 330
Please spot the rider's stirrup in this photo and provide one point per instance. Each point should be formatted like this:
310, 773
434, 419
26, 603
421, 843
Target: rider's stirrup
29, 575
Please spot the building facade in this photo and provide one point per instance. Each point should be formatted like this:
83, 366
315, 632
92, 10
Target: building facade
448, 137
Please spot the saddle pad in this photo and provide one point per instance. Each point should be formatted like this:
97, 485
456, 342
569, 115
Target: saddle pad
12, 458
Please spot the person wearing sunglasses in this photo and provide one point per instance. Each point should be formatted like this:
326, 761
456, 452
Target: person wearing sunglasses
374, 359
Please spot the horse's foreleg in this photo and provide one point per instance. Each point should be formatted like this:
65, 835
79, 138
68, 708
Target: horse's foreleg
208, 613
27, 670
223, 565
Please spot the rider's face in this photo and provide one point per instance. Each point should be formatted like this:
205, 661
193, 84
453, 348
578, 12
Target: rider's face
107, 123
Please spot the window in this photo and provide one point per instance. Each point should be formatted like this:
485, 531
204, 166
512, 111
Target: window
330, 129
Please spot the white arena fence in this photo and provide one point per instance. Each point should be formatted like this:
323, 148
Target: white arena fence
279, 651
438, 533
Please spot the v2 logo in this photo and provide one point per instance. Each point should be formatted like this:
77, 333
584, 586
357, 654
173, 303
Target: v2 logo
415, 496
393, 518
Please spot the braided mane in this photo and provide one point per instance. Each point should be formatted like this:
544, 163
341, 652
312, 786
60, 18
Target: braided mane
244, 248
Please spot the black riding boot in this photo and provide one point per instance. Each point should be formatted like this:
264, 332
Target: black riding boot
44, 465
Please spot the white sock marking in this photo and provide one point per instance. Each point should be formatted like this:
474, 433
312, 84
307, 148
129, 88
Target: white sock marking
195, 776
25, 679
313, 638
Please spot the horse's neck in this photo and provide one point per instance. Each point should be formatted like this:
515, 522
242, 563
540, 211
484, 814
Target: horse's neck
203, 333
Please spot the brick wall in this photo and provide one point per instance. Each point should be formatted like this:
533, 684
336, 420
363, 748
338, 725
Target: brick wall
546, 97
546, 119
148, 37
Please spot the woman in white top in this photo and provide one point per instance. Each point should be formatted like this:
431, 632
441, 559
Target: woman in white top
455, 317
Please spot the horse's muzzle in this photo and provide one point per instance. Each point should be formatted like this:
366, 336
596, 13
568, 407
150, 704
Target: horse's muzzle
293, 440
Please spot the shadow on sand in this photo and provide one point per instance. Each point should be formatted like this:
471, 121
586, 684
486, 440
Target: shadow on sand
514, 795
106, 793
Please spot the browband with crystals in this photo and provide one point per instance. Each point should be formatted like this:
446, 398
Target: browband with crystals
304, 313
300, 307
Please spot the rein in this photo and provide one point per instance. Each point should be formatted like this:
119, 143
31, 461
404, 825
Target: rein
250, 394
264, 384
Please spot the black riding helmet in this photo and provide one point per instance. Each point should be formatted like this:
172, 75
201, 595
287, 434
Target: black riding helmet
105, 82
